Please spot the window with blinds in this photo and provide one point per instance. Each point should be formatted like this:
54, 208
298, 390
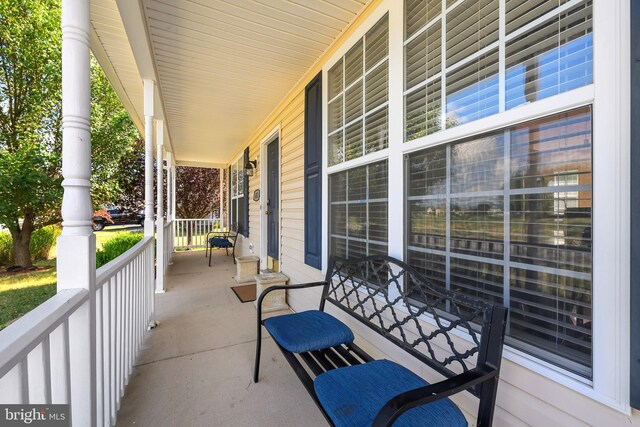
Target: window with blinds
358, 211
453, 57
238, 200
358, 97
507, 217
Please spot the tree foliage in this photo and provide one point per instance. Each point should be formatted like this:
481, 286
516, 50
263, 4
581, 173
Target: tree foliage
197, 191
116, 145
31, 118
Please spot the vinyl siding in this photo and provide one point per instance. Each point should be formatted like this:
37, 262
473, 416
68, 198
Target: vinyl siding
524, 397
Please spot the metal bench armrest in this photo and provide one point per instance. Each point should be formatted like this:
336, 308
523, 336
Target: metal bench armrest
403, 402
275, 288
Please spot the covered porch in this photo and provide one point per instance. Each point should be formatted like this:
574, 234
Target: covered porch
458, 136
195, 368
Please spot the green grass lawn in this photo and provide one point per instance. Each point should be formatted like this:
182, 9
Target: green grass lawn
21, 293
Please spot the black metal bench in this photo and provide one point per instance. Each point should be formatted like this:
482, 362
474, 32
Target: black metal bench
394, 300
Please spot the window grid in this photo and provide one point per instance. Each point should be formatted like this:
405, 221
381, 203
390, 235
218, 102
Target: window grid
514, 268
507, 34
350, 203
366, 72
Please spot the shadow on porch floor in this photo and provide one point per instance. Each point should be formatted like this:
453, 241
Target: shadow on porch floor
195, 369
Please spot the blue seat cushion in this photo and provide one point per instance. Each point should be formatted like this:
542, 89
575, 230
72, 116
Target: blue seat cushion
308, 331
219, 242
354, 395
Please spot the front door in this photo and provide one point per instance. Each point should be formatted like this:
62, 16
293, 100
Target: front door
273, 199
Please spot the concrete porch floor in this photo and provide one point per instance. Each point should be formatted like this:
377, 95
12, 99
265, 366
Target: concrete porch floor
196, 366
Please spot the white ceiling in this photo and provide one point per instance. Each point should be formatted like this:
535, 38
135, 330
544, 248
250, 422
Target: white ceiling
222, 66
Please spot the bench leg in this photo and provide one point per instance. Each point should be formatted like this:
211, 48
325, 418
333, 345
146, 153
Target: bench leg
256, 370
210, 257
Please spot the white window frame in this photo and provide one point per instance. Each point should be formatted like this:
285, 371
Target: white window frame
609, 96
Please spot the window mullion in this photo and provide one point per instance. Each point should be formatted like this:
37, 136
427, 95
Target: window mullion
366, 209
344, 113
448, 219
443, 66
502, 57
506, 272
346, 215
363, 98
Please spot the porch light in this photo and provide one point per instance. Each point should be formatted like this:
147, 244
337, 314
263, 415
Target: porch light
249, 167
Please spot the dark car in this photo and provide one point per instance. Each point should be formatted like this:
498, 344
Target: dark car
118, 217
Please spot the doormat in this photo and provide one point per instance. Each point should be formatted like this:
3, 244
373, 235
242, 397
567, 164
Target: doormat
245, 293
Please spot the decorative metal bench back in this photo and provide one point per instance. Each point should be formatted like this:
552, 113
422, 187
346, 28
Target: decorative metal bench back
392, 298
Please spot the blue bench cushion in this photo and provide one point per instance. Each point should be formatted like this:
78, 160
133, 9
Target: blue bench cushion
354, 395
220, 242
308, 331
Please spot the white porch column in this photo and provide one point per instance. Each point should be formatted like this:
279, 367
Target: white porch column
173, 204
149, 95
169, 183
77, 245
173, 189
221, 190
160, 206
170, 203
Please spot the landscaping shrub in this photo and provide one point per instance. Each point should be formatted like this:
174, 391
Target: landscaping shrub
116, 246
6, 248
42, 240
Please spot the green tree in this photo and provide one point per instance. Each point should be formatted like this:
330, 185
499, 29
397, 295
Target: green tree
116, 144
30, 123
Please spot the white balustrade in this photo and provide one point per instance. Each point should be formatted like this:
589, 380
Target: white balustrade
35, 363
192, 233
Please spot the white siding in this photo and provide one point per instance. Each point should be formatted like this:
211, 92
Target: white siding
524, 397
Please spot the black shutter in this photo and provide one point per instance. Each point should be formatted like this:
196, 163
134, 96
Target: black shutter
245, 210
313, 173
635, 205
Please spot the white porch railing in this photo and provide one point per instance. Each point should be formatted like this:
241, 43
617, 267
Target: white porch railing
36, 350
192, 233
